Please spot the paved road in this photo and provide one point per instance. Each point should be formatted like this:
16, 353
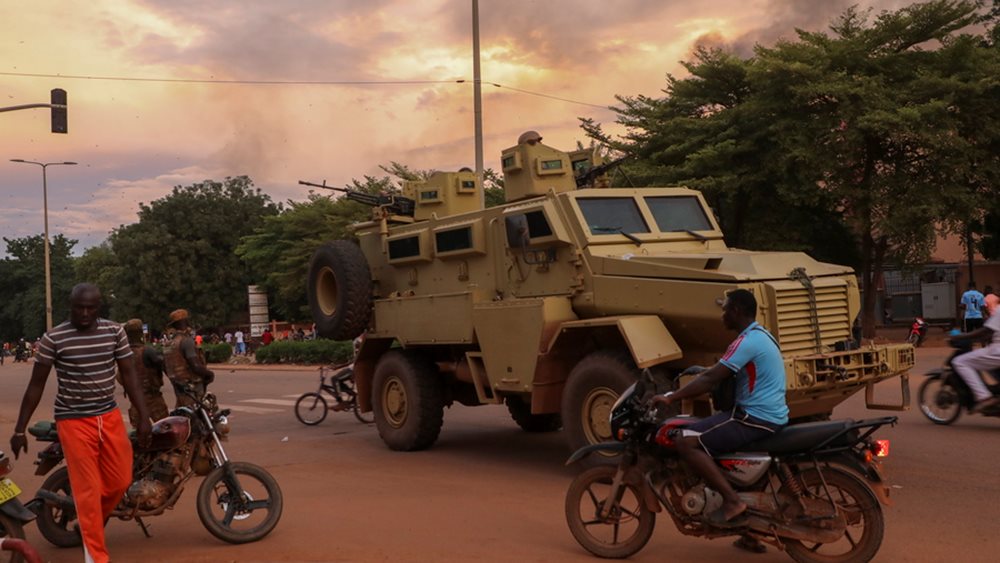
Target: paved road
489, 492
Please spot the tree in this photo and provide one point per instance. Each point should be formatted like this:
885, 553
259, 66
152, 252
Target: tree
99, 266
181, 253
22, 301
869, 137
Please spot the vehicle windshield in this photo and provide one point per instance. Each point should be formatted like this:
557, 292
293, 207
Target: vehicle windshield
612, 215
678, 213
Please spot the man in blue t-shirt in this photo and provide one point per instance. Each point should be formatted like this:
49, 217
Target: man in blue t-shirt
972, 304
754, 359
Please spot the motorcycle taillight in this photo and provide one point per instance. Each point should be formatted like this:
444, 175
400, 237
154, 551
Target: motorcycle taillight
881, 448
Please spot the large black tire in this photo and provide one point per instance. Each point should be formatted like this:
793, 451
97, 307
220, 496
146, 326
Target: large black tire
866, 524
939, 401
57, 525
340, 290
408, 401
586, 496
10, 528
593, 387
520, 411
260, 494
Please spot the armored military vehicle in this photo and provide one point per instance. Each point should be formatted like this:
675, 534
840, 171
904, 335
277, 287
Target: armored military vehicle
553, 302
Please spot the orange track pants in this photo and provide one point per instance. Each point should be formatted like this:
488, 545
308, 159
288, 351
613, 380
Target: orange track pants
99, 459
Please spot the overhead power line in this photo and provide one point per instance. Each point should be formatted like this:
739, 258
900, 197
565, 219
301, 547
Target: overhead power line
293, 83
224, 81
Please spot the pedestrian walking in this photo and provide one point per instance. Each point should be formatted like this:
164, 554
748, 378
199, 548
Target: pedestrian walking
241, 346
972, 305
84, 352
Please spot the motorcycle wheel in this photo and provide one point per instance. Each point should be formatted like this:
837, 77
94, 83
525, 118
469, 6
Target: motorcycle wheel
12, 529
243, 509
913, 338
865, 522
58, 525
939, 401
624, 532
311, 409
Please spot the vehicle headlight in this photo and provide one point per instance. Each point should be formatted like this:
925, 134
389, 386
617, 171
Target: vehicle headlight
222, 426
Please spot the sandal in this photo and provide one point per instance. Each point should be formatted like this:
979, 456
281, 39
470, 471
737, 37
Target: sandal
750, 544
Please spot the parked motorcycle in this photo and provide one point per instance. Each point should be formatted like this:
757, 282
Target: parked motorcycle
13, 516
238, 502
918, 331
944, 394
812, 490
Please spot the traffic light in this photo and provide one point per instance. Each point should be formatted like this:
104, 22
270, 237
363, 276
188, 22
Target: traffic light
59, 124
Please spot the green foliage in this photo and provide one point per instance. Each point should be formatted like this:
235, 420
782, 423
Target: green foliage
277, 254
217, 353
493, 188
181, 253
22, 285
866, 138
99, 265
318, 351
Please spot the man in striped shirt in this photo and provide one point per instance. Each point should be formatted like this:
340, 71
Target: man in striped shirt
85, 351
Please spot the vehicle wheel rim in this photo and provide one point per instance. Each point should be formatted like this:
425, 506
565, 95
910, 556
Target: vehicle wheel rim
326, 291
240, 514
394, 402
941, 401
596, 414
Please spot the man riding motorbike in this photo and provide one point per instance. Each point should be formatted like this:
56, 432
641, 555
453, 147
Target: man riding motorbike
183, 361
754, 359
969, 365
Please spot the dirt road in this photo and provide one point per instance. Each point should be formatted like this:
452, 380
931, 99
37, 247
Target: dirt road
490, 492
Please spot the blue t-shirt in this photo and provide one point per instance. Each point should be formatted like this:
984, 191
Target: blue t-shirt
760, 374
973, 301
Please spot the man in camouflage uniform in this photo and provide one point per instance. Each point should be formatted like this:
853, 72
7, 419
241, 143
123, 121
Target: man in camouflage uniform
149, 367
184, 363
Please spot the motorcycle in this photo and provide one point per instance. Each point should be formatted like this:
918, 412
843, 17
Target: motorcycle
918, 331
813, 490
944, 394
20, 354
238, 502
13, 517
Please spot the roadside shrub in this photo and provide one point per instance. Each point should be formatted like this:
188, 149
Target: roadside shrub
217, 353
317, 351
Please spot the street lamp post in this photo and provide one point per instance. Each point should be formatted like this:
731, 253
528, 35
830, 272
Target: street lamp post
45, 213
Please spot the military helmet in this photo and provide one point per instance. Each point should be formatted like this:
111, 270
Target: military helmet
177, 316
530, 137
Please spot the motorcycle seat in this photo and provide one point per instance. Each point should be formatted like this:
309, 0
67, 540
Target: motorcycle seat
44, 431
800, 437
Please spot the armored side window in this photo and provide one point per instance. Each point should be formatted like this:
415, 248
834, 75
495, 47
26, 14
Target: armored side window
678, 213
525, 227
455, 239
404, 247
611, 215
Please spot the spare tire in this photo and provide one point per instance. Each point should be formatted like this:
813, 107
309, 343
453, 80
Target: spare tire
340, 290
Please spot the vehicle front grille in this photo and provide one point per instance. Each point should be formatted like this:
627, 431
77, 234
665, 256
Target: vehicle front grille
796, 325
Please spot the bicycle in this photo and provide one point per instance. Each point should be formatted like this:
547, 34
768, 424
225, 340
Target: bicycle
311, 408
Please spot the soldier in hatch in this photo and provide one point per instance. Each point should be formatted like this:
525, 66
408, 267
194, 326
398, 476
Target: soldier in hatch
149, 367
184, 364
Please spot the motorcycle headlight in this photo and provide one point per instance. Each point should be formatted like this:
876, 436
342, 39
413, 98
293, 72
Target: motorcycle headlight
222, 426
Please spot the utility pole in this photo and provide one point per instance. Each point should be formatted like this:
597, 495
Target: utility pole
477, 94
45, 212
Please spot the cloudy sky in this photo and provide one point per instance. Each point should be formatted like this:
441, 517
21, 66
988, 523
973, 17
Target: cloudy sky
136, 139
